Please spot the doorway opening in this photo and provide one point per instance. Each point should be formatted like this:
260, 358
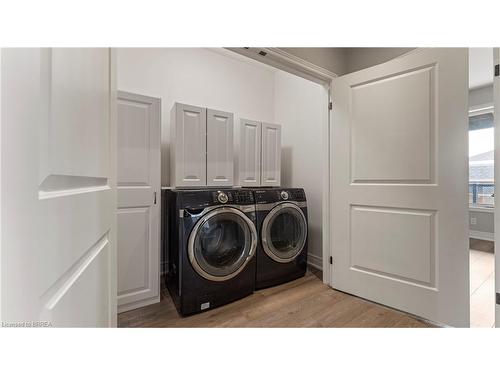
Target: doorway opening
481, 188
261, 91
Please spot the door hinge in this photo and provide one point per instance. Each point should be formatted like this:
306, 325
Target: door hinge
331, 260
497, 70
154, 197
330, 106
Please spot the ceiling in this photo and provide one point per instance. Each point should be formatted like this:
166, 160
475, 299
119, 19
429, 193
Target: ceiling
480, 67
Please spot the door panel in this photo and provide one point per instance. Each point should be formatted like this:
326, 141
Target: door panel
250, 152
138, 200
188, 145
399, 198
133, 250
133, 138
271, 155
406, 255
81, 149
389, 144
220, 166
58, 254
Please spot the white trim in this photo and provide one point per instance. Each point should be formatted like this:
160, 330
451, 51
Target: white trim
138, 304
292, 64
67, 192
320, 72
282, 60
112, 182
315, 261
481, 109
327, 191
478, 235
496, 101
0, 186
482, 209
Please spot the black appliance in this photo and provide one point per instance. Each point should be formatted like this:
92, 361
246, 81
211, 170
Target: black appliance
282, 228
210, 244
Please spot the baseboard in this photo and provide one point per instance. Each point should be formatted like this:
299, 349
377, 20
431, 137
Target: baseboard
478, 235
315, 261
138, 304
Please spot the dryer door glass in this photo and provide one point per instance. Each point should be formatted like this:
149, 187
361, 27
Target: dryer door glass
284, 232
222, 244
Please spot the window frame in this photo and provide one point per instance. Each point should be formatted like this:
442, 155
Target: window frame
476, 111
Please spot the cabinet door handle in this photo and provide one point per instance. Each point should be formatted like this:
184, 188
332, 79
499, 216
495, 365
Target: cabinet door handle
154, 197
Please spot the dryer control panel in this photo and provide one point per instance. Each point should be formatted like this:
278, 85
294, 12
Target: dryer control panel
279, 194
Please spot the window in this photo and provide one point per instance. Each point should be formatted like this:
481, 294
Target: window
481, 159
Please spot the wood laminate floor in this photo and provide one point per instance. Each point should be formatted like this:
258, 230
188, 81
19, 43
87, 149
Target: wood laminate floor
305, 302
482, 283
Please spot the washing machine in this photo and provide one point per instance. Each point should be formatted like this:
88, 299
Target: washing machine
282, 229
211, 240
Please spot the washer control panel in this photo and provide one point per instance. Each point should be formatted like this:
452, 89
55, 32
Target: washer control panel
232, 196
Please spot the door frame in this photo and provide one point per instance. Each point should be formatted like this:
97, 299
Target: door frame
113, 175
287, 62
292, 64
496, 213
0, 184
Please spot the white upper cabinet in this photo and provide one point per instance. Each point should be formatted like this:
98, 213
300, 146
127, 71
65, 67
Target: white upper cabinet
250, 152
188, 146
271, 155
220, 158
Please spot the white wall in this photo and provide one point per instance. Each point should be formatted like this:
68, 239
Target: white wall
332, 59
481, 97
301, 108
227, 81
361, 58
209, 78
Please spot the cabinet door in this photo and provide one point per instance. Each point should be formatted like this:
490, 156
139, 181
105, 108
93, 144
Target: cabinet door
271, 155
188, 145
138, 200
220, 158
250, 150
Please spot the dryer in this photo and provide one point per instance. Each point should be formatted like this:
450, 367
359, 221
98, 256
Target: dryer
210, 247
283, 233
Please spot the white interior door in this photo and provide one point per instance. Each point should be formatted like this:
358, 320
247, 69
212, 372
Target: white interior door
138, 200
496, 99
399, 179
58, 187
220, 143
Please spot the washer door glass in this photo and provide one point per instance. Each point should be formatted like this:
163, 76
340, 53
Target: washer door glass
222, 244
284, 232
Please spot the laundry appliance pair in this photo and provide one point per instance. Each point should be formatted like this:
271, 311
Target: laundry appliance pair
222, 244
